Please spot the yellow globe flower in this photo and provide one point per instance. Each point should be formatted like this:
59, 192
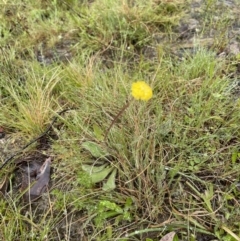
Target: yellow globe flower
141, 91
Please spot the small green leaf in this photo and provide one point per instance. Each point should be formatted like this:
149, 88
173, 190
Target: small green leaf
110, 183
128, 204
235, 156
98, 132
95, 149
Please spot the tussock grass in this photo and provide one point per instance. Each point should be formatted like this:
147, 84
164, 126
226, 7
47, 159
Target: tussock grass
172, 162
30, 101
171, 144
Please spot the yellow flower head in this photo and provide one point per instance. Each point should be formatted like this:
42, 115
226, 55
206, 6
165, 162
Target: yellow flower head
141, 91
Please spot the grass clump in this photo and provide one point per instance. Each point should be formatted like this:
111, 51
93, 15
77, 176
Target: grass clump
30, 101
130, 22
170, 144
168, 164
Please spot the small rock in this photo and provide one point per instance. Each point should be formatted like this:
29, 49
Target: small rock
234, 48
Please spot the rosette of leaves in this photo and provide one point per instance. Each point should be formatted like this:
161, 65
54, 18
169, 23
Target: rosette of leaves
99, 171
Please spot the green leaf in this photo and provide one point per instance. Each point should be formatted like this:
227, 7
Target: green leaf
95, 149
128, 204
93, 169
235, 156
110, 183
98, 132
100, 176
